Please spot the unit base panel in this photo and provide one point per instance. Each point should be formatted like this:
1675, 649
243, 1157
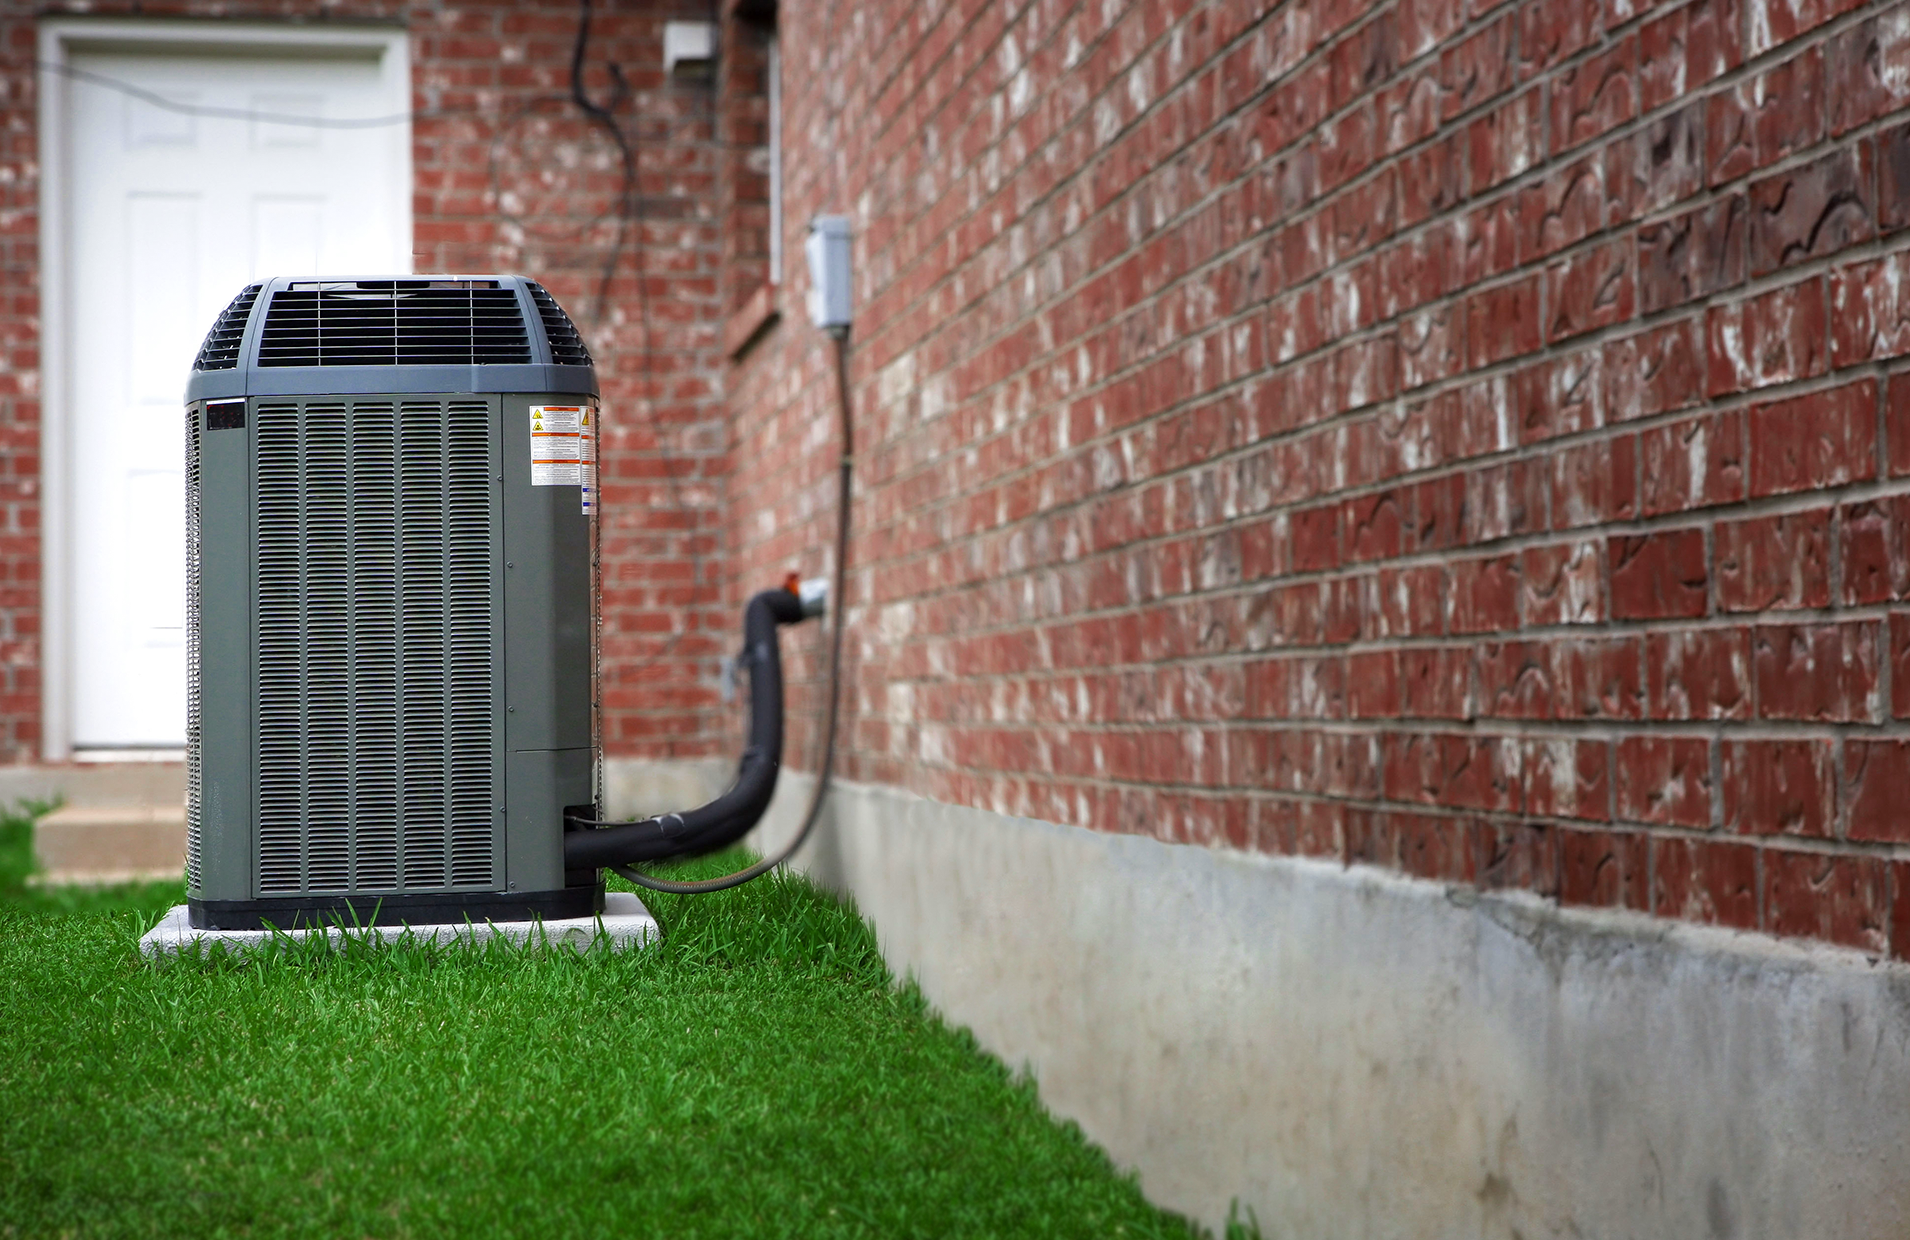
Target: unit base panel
417, 909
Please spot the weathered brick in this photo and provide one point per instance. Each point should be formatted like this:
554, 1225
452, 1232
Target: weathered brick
1458, 771
1374, 526
1825, 439
1519, 855
1898, 420
1406, 603
1562, 584
1872, 551
1687, 48
1878, 773
1825, 673
1842, 900
1870, 64
1550, 34
1900, 909
1432, 847
1364, 59
1654, 371
1696, 463
1439, 513
1373, 688
1775, 337
1348, 145
1315, 539
1779, 788
1595, 483
1707, 881
1762, 119
1776, 22
1424, 25
1437, 682
1694, 255
1819, 208
1664, 780
1599, 678
1476, 69
1363, 217
1778, 562
1699, 674
1485, 595
1898, 639
1870, 310
1515, 681
1503, 501
1604, 868
1893, 178
1488, 239
1657, 576
1592, 289
1506, 141
1562, 396
1565, 207
1503, 322
1432, 346
1662, 164
1567, 778
1596, 95
1432, 181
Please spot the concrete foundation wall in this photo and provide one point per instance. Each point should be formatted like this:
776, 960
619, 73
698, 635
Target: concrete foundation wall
1356, 1054
634, 787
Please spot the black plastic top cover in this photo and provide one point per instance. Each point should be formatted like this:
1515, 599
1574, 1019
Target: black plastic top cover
289, 336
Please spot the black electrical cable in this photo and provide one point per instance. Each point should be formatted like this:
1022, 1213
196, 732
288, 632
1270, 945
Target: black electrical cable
838, 592
605, 117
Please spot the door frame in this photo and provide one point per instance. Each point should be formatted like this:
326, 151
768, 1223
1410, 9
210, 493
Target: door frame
60, 39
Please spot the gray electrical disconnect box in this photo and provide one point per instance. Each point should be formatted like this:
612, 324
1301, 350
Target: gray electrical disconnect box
831, 303
388, 485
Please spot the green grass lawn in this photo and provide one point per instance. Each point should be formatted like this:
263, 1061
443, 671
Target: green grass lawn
758, 1074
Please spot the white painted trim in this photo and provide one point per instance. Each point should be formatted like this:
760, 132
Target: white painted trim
59, 40
775, 159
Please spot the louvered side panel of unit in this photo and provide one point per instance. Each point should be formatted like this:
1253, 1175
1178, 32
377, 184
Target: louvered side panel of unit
277, 474
325, 590
195, 783
469, 706
423, 513
378, 616
373, 690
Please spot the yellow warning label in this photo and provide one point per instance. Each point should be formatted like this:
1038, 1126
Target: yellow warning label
561, 450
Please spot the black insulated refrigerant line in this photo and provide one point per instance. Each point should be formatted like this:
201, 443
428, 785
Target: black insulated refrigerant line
593, 844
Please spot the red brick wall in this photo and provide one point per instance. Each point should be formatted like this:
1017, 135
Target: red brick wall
491, 82
1463, 438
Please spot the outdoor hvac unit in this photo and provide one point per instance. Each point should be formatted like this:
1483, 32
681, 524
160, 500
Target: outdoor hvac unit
388, 556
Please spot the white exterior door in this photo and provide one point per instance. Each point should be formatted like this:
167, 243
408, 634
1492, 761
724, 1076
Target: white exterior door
170, 214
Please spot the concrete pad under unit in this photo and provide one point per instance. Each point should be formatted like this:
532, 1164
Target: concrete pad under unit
624, 923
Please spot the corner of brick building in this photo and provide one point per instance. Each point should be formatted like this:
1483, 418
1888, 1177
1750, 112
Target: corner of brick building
1462, 439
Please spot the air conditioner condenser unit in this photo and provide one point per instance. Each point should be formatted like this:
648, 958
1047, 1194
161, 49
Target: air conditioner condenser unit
389, 485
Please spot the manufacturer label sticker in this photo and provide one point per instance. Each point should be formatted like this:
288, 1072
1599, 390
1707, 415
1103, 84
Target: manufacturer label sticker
558, 435
587, 459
